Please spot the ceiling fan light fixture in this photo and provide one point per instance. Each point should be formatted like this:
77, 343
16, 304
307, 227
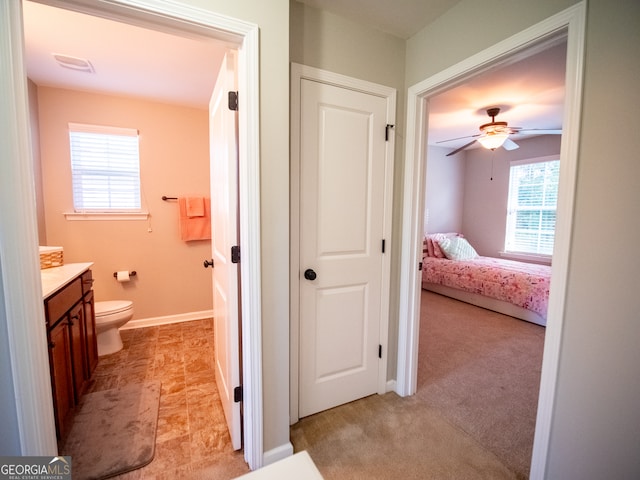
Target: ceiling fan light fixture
492, 141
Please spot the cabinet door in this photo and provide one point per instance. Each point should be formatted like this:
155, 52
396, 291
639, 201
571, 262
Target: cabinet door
91, 343
61, 376
76, 327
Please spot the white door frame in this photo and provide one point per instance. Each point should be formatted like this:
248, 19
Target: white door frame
29, 363
298, 73
571, 20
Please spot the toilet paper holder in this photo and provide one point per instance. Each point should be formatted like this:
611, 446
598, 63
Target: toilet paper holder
132, 273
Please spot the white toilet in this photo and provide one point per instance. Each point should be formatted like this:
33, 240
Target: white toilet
110, 316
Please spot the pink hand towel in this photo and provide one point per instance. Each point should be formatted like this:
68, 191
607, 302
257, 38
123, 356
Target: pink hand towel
195, 207
195, 228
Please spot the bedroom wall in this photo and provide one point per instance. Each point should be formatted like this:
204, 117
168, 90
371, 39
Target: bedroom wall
484, 217
327, 41
594, 428
444, 191
174, 161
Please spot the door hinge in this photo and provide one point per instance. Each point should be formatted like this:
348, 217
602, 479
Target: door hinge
383, 244
420, 267
233, 101
386, 132
237, 394
235, 254
379, 351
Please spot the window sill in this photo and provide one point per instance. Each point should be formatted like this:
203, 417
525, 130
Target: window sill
527, 257
75, 216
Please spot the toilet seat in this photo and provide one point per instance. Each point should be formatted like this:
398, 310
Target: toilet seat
111, 307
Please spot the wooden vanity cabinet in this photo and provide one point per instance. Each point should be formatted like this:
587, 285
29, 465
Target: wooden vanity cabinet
91, 343
76, 322
61, 377
73, 350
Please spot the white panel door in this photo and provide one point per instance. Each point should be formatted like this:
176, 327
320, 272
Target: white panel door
342, 149
224, 235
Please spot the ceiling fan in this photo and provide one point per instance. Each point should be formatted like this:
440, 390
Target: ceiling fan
496, 134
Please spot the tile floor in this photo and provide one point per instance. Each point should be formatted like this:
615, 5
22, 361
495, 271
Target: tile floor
192, 434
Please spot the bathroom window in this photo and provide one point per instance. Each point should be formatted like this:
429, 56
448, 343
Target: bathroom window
105, 169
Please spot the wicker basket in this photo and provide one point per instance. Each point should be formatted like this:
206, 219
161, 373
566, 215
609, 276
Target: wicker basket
51, 257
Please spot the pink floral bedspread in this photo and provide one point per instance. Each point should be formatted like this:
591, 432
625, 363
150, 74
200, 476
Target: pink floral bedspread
522, 284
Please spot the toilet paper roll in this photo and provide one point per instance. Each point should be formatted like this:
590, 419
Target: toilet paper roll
123, 276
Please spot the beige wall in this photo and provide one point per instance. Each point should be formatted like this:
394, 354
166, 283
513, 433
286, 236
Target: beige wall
470, 27
324, 40
37, 164
594, 431
174, 161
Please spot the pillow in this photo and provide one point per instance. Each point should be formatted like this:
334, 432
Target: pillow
435, 242
457, 248
430, 248
437, 251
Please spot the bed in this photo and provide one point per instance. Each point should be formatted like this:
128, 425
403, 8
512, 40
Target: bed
451, 267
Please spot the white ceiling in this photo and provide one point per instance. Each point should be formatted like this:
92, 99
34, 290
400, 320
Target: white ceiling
128, 60
529, 92
137, 62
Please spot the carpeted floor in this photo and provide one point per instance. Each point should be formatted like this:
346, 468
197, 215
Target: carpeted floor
473, 416
481, 371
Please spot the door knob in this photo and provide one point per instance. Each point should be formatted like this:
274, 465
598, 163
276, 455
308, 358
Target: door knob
208, 263
309, 274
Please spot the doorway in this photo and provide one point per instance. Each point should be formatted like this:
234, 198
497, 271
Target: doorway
570, 21
466, 192
37, 428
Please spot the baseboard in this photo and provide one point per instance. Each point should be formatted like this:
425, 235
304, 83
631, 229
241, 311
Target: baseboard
155, 321
278, 453
391, 385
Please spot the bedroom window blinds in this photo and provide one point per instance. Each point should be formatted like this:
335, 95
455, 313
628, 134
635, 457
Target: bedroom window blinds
531, 211
105, 168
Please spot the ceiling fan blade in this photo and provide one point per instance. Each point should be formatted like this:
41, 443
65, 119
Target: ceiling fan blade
461, 148
459, 138
539, 131
510, 144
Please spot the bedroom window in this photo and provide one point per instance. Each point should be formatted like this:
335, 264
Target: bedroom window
531, 210
105, 169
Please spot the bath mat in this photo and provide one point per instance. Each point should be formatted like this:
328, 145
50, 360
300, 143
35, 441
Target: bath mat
114, 431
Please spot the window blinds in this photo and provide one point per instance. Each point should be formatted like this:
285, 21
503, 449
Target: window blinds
105, 168
531, 214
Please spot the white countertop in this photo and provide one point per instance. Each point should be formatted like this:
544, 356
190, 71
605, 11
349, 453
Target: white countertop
294, 467
57, 277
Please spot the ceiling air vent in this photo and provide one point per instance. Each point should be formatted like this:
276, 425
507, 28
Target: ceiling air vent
74, 63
